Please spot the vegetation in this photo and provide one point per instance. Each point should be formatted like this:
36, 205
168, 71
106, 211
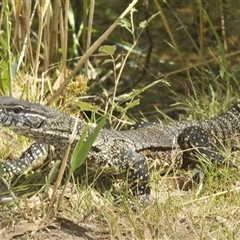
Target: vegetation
150, 60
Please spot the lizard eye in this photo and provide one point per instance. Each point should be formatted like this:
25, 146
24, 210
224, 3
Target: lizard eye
17, 109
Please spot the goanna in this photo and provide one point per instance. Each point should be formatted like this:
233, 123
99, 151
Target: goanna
117, 152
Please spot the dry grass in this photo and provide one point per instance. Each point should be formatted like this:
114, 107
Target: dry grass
171, 213
37, 56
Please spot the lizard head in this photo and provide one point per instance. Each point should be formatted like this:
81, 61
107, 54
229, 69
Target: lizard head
33, 120
15, 113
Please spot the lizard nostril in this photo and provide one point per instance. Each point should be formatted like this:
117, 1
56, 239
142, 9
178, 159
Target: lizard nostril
41, 124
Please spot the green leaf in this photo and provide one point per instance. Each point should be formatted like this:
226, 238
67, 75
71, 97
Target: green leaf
107, 61
143, 24
110, 50
83, 146
125, 23
120, 109
86, 106
133, 103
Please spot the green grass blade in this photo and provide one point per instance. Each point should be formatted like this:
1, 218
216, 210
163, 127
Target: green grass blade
83, 147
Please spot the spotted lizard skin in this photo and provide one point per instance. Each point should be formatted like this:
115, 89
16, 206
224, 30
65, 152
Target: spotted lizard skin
116, 152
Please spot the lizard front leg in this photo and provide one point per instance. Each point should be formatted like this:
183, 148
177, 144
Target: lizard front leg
33, 157
135, 166
124, 164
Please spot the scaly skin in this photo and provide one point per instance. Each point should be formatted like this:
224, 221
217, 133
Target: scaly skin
119, 152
